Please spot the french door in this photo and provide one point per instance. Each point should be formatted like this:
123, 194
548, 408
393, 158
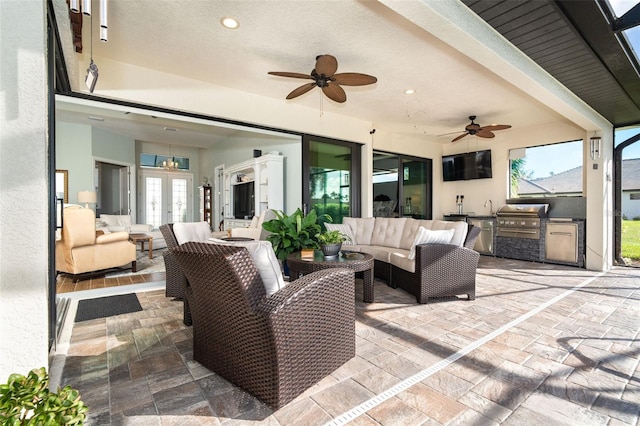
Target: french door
166, 197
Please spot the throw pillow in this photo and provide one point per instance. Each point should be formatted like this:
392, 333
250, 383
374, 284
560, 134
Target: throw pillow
191, 231
265, 260
427, 236
344, 230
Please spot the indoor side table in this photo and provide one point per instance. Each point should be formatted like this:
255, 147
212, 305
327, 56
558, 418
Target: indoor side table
143, 238
357, 262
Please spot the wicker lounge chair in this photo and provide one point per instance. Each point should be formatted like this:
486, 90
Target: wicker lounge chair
176, 280
442, 270
274, 347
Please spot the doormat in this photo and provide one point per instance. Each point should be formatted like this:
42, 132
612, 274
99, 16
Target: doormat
109, 306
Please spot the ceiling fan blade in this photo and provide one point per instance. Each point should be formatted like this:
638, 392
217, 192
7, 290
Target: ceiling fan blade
327, 65
354, 79
496, 127
290, 74
460, 137
335, 92
301, 90
484, 133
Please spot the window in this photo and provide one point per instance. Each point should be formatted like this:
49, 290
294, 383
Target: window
547, 170
155, 160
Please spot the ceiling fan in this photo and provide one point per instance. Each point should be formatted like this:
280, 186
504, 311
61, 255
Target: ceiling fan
477, 130
324, 76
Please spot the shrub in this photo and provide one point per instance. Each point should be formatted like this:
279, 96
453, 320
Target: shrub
28, 401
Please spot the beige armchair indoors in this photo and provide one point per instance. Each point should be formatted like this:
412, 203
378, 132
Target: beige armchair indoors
79, 250
255, 230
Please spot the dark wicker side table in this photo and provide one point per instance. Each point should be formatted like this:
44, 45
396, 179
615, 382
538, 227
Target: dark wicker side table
358, 262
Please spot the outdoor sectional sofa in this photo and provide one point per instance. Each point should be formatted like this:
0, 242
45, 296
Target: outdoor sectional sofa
444, 262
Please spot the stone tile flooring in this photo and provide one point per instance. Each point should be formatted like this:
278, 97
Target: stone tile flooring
532, 349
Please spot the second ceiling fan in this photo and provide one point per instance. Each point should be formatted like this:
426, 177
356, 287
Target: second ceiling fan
482, 131
324, 76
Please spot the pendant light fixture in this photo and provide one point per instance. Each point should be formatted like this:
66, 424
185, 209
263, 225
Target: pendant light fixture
92, 72
170, 164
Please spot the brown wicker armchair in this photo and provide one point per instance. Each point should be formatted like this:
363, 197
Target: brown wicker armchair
175, 278
441, 270
277, 346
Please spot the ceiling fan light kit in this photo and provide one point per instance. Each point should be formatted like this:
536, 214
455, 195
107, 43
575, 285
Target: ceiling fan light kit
474, 129
324, 76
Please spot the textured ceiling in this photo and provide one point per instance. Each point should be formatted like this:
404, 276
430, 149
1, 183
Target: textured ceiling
186, 39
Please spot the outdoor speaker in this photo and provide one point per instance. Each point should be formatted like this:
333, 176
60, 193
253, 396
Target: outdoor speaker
257, 153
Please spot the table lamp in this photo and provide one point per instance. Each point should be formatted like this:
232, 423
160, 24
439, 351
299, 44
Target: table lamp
87, 197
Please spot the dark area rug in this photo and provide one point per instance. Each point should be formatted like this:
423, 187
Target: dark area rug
109, 306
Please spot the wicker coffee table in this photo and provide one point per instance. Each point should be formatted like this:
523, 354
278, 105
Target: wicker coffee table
358, 262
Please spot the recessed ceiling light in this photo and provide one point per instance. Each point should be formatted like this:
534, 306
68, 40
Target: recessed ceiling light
170, 129
409, 92
91, 117
229, 22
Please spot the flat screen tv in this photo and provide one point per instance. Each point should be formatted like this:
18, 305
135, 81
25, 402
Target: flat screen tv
470, 165
243, 200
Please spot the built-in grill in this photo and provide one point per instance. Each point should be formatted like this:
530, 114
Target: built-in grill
521, 220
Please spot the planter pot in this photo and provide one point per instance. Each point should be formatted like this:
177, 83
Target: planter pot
331, 250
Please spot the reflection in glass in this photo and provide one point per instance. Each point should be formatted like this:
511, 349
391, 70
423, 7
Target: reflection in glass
329, 179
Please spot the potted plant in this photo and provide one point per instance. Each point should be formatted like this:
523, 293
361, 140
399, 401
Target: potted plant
27, 400
331, 242
292, 233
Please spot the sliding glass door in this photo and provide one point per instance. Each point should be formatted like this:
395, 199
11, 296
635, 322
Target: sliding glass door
402, 186
332, 180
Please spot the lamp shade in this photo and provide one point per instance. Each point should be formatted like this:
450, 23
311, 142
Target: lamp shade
87, 197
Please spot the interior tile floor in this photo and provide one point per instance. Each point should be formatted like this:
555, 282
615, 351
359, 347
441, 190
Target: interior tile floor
540, 345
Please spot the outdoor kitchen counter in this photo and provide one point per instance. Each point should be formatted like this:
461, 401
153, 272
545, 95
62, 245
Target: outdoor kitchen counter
535, 250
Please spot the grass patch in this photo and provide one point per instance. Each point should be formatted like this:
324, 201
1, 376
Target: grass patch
631, 239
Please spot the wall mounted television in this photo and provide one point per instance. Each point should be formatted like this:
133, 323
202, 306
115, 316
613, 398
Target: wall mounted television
243, 200
467, 166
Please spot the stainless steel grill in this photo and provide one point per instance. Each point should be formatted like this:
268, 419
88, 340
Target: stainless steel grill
521, 220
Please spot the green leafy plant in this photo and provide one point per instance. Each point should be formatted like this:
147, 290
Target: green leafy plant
293, 233
331, 237
28, 401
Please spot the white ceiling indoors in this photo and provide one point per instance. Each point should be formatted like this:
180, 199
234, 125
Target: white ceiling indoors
185, 38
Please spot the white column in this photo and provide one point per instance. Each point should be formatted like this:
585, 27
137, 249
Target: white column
23, 188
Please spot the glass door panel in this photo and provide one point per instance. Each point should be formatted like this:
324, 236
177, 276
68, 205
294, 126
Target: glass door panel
414, 188
167, 197
401, 186
153, 200
330, 179
385, 185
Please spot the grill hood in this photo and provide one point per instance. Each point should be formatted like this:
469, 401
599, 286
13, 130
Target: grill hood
529, 210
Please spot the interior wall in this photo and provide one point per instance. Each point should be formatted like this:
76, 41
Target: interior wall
238, 151
73, 153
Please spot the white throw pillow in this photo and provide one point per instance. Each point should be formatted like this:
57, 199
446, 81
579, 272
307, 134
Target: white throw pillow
191, 231
265, 260
427, 236
344, 230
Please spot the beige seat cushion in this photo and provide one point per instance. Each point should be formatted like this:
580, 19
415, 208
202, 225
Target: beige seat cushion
380, 253
400, 258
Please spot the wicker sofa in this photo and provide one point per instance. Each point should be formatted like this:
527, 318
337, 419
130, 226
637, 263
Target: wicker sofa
437, 269
274, 346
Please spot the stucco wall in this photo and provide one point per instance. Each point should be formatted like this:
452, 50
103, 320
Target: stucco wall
24, 188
